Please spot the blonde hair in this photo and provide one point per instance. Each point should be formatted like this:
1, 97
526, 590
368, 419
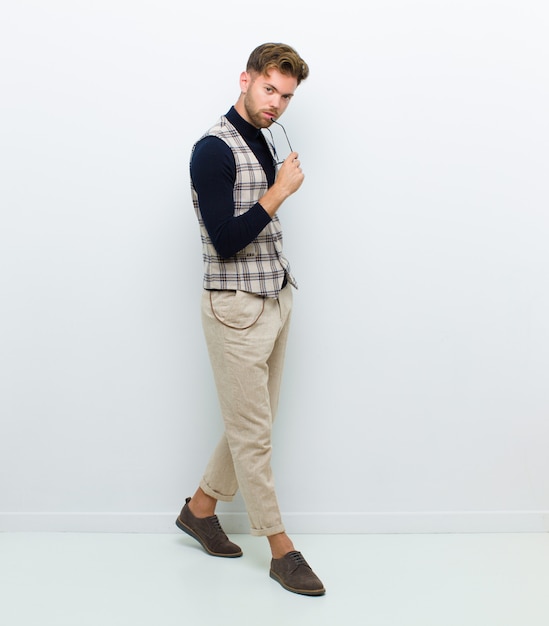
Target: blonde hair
280, 57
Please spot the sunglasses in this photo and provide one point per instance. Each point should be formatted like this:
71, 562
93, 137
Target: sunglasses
277, 158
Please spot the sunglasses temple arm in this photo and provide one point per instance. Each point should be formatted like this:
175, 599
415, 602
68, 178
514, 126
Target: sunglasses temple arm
285, 133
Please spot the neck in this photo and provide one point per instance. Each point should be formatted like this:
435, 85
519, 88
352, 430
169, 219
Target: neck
241, 110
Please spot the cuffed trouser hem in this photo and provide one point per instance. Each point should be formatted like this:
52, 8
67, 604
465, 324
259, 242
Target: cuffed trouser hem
267, 532
214, 494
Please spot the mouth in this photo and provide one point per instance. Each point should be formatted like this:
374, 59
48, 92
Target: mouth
270, 116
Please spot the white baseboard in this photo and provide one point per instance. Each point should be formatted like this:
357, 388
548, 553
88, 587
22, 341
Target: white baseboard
296, 523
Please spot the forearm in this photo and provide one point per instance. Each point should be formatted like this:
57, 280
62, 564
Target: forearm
273, 200
230, 234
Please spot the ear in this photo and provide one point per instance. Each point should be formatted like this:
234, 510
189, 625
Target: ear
244, 82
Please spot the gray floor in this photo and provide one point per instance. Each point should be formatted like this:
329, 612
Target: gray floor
53, 579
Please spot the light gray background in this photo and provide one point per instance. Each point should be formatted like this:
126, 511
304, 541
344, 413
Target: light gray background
415, 395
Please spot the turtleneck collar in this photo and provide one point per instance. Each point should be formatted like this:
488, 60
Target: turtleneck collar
247, 130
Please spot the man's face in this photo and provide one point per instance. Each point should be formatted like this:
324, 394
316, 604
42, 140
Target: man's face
265, 97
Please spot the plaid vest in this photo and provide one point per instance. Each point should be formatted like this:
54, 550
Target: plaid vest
260, 267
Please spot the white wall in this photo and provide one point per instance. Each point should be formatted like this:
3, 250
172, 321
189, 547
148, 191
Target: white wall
415, 394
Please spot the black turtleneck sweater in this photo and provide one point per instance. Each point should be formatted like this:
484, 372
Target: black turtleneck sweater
213, 173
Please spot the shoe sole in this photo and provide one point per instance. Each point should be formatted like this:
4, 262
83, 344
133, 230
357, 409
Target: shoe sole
303, 592
194, 535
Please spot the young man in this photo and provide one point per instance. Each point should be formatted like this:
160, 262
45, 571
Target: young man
246, 306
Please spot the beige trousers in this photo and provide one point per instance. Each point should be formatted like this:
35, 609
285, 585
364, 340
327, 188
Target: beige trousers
246, 337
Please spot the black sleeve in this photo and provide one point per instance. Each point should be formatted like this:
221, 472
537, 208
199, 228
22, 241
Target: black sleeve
213, 173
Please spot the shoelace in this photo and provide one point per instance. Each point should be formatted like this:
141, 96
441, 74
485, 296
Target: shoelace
297, 558
216, 524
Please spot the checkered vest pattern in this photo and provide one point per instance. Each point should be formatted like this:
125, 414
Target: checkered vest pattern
260, 267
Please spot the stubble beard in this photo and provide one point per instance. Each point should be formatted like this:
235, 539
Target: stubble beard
257, 118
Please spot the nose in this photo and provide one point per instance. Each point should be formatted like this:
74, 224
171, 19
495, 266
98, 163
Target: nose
276, 101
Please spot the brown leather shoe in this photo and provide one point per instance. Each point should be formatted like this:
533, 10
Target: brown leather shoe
207, 531
294, 573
